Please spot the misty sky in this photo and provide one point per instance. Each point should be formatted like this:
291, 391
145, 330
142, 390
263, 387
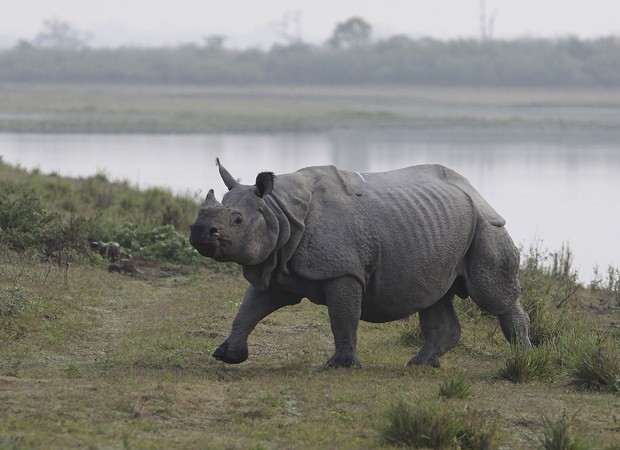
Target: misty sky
253, 23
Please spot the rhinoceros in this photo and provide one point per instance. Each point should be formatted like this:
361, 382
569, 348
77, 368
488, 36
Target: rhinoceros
376, 247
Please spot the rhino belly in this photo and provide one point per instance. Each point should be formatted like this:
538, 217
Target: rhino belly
402, 299
420, 255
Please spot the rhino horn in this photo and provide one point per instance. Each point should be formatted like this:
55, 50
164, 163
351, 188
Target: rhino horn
211, 200
229, 180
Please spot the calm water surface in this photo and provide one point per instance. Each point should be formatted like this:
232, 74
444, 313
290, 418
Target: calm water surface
551, 186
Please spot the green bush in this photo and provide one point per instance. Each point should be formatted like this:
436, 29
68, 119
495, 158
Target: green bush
160, 243
24, 223
13, 301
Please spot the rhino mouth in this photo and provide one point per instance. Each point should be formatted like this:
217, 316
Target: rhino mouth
204, 249
212, 249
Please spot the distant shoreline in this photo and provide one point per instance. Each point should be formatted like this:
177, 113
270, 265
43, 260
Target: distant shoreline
186, 109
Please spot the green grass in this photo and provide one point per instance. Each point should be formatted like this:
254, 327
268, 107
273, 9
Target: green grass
95, 359
115, 108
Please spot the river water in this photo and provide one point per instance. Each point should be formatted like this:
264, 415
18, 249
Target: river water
551, 186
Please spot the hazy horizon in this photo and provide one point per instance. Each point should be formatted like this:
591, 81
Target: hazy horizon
257, 24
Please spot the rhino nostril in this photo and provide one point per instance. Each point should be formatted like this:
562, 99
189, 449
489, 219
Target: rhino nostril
214, 232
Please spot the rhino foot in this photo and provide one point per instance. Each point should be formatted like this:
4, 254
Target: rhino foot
433, 361
229, 356
343, 361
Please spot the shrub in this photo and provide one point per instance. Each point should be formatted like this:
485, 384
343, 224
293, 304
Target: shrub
432, 427
597, 366
455, 387
609, 285
24, 223
159, 243
13, 301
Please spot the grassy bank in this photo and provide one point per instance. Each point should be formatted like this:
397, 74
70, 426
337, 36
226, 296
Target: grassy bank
112, 108
92, 358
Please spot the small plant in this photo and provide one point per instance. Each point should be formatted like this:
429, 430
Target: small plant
523, 364
431, 427
412, 335
558, 435
13, 301
72, 371
455, 387
597, 367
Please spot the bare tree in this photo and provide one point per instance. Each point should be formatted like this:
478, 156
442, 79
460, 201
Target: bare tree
57, 33
487, 23
289, 27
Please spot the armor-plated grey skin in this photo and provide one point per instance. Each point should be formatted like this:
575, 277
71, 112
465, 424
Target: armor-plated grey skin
373, 246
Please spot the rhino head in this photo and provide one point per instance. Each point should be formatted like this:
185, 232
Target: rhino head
242, 228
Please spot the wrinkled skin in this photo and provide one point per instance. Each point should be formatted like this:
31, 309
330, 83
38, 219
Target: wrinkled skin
376, 247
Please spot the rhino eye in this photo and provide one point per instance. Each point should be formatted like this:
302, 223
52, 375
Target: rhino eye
238, 221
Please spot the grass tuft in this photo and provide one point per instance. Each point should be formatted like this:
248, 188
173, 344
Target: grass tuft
455, 387
558, 435
523, 365
597, 367
430, 427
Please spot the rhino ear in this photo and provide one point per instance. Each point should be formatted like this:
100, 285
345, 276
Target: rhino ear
229, 180
264, 183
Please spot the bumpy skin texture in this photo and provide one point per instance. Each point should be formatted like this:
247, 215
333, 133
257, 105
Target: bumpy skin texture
374, 246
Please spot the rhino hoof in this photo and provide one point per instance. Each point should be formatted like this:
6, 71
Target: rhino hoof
433, 361
223, 354
346, 362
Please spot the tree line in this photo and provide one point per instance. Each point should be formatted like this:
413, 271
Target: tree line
349, 56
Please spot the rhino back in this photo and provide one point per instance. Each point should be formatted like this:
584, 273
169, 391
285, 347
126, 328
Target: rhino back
401, 233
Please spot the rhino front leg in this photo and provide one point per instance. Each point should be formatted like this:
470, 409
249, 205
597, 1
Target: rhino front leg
441, 330
256, 305
344, 304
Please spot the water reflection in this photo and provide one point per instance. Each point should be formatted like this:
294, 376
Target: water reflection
549, 185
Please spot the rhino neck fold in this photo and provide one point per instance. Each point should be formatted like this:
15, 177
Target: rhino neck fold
289, 211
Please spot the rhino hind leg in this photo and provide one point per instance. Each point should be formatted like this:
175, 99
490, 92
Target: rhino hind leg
492, 281
344, 305
441, 330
